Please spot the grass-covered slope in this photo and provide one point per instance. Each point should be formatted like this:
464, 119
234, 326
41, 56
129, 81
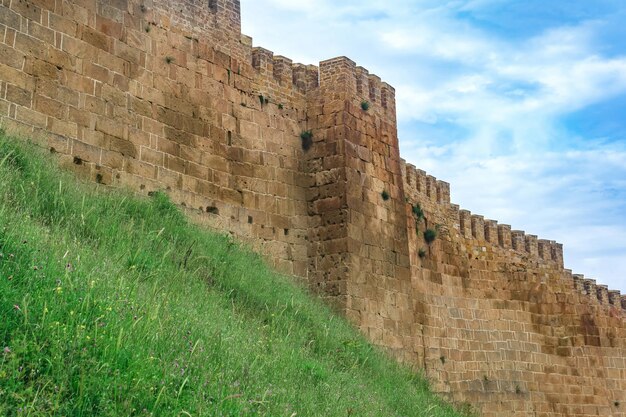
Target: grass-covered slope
113, 305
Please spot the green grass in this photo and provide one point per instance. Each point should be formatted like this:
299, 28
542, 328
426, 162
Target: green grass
114, 305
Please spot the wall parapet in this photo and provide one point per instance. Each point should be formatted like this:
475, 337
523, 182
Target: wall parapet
596, 292
342, 74
339, 74
483, 231
473, 226
431, 188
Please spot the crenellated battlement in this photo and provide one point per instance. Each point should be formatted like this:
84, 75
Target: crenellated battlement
342, 74
473, 226
220, 22
337, 75
429, 187
483, 231
284, 72
596, 292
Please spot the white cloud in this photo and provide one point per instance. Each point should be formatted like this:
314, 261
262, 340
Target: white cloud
300, 5
425, 39
552, 83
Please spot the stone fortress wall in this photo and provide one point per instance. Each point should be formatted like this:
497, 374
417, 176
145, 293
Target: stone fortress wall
156, 94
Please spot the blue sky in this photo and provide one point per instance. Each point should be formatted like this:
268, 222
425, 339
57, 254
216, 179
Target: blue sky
519, 104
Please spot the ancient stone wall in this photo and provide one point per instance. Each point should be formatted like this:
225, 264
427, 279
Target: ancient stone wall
160, 95
156, 94
503, 326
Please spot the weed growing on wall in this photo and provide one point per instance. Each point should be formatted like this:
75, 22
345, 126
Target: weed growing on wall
307, 139
417, 212
430, 235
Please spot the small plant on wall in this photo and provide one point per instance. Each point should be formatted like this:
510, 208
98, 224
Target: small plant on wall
307, 139
421, 253
418, 212
419, 215
365, 105
169, 59
430, 235
385, 195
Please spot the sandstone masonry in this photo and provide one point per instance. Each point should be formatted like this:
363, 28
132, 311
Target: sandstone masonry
157, 94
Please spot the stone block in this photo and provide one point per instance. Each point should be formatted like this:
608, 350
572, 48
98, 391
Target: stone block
83, 152
79, 49
11, 57
50, 107
96, 39
40, 68
40, 32
61, 24
111, 127
9, 18
80, 117
30, 117
27, 9
78, 82
113, 160
18, 95
143, 170
63, 128
123, 146
29, 45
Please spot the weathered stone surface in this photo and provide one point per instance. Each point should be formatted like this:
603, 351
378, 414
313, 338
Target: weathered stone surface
172, 98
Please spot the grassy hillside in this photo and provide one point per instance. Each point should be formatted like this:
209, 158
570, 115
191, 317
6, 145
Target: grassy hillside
113, 305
